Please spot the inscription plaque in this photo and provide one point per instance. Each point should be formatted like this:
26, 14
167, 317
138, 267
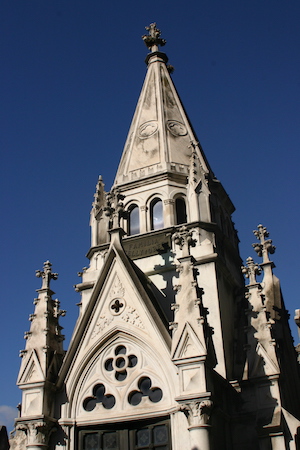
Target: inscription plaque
147, 246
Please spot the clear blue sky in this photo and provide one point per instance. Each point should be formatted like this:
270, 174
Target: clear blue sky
71, 73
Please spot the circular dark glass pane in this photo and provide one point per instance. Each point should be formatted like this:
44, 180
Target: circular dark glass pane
155, 395
145, 385
120, 362
108, 364
98, 392
120, 376
135, 398
89, 404
132, 360
120, 350
108, 401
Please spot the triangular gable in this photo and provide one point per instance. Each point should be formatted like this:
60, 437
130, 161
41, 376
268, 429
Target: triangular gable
189, 345
32, 372
138, 307
263, 363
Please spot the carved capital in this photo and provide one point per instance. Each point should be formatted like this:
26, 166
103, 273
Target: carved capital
37, 433
197, 412
169, 201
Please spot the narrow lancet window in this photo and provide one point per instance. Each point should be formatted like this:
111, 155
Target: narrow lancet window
180, 209
134, 220
156, 211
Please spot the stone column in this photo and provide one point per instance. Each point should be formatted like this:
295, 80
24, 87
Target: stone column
143, 219
198, 414
169, 216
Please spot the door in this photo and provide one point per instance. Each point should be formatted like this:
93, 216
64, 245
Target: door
141, 435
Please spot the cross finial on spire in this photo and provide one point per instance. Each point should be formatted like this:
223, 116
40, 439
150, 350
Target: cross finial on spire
153, 40
251, 270
265, 246
46, 275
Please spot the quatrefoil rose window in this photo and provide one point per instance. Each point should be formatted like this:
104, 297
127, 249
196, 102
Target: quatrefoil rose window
120, 363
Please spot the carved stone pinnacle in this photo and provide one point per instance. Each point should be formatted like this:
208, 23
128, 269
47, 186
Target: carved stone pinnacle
115, 207
184, 238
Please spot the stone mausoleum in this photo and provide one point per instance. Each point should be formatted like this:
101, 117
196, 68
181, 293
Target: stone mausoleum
171, 349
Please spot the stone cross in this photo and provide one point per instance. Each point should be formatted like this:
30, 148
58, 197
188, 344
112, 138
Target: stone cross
46, 275
265, 246
153, 40
115, 207
251, 270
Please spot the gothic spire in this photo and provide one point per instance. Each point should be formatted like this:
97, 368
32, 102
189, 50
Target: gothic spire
160, 134
44, 339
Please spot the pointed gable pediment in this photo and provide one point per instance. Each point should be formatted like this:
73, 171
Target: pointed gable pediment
122, 299
31, 370
189, 345
262, 363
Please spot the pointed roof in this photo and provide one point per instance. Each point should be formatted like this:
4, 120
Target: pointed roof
160, 135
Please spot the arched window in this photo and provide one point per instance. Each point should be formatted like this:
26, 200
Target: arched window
180, 210
134, 220
156, 214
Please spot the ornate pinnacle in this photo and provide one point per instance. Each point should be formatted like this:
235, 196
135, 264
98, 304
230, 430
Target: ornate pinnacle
251, 270
46, 275
265, 246
99, 196
153, 40
115, 207
184, 238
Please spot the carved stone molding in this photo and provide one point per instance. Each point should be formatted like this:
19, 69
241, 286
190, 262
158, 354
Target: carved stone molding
147, 129
125, 313
117, 289
131, 316
176, 128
